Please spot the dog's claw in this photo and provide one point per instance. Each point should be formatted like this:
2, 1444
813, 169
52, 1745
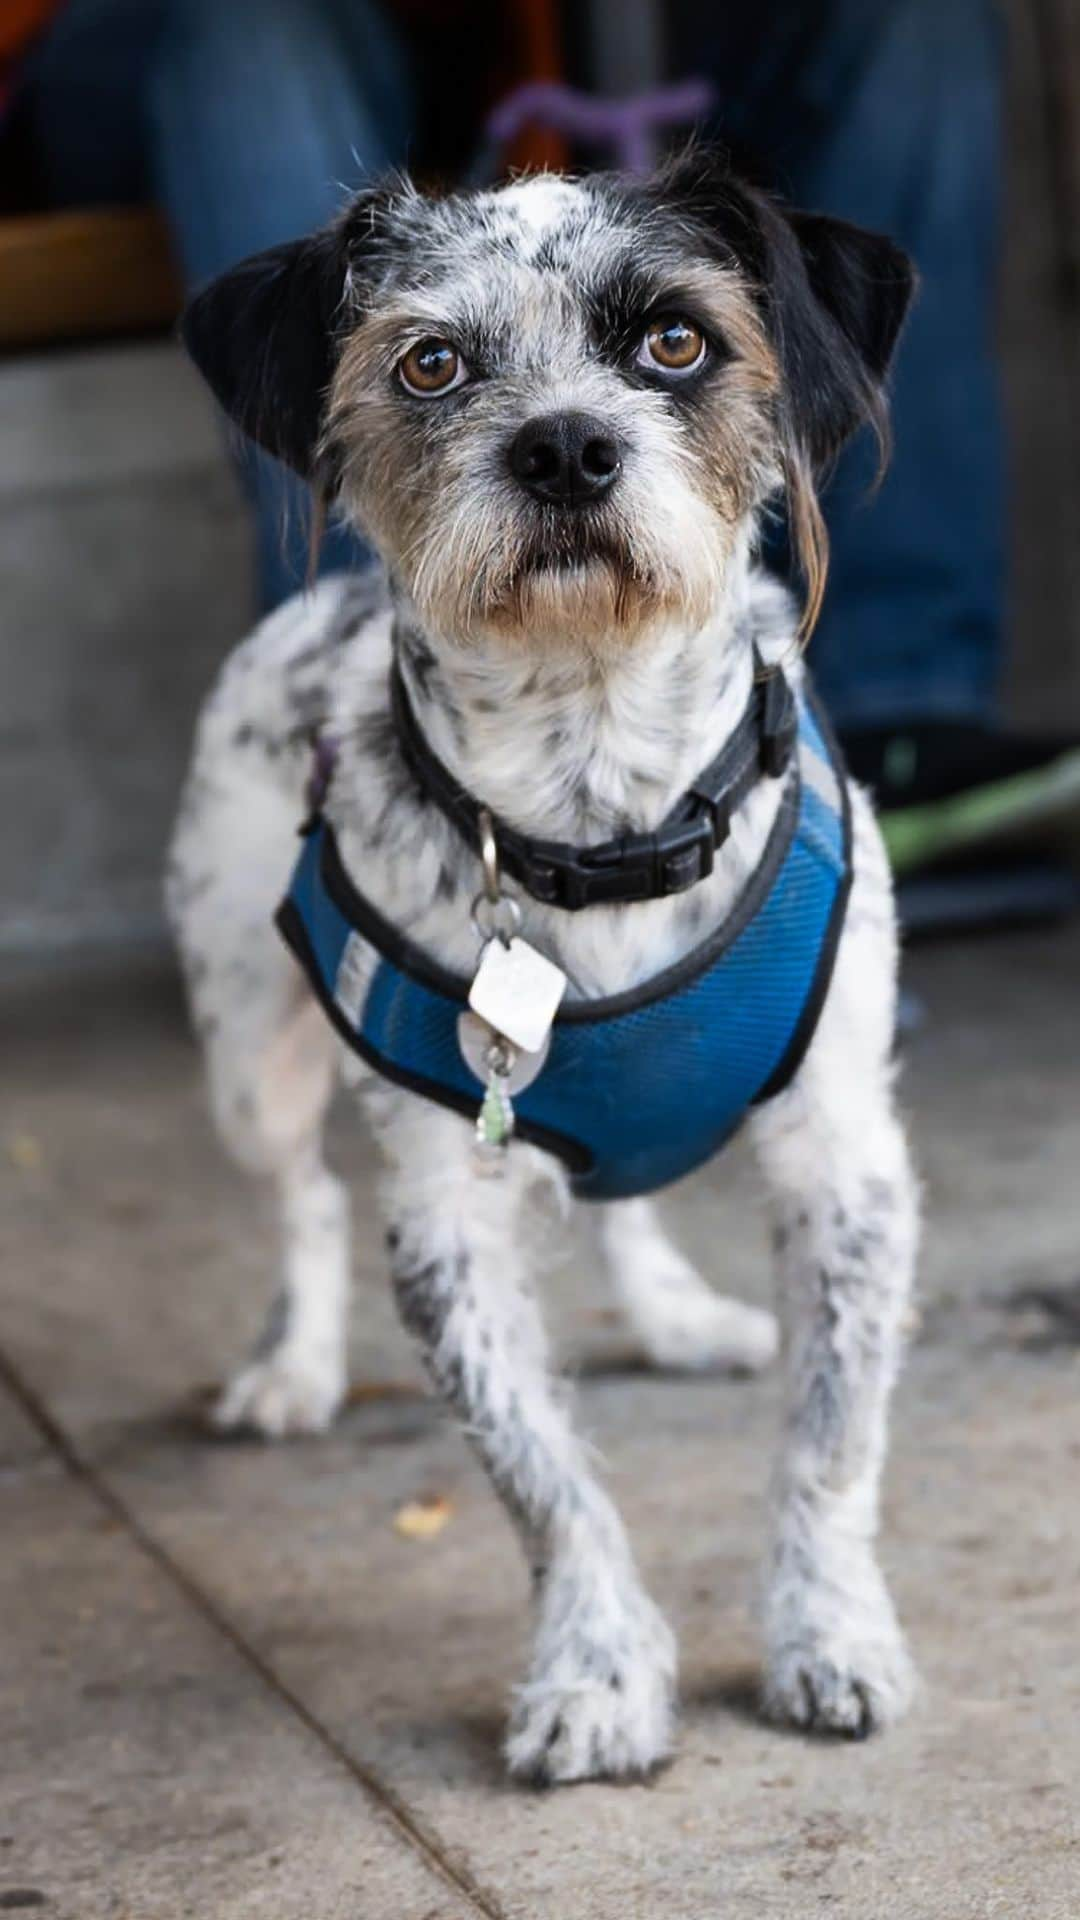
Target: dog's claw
592, 1735
595, 1714
851, 1693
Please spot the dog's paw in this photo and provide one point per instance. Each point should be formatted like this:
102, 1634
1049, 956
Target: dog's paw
284, 1392
693, 1330
851, 1677
598, 1710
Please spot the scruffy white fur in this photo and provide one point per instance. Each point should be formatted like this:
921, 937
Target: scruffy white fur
565, 744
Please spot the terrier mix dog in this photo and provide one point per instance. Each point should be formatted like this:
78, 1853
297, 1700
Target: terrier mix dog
561, 410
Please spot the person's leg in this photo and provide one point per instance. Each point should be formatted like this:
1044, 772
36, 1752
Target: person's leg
888, 115
919, 576
262, 119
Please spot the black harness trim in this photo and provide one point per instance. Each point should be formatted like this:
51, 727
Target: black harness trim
575, 1157
400, 951
319, 943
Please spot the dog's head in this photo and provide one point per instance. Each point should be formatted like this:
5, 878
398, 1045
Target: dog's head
558, 407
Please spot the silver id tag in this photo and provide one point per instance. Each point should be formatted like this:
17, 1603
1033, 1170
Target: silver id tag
517, 992
475, 1040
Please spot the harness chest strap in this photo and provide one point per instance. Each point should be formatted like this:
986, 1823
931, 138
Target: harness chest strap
639, 1087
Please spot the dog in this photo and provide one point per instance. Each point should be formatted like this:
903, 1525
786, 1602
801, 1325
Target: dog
561, 410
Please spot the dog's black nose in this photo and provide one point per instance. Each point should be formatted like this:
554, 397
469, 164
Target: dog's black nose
566, 459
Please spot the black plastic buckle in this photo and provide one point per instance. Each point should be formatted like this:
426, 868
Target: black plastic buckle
538, 877
585, 883
642, 867
685, 851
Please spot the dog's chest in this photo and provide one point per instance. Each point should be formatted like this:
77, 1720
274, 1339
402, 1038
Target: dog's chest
422, 876
646, 1076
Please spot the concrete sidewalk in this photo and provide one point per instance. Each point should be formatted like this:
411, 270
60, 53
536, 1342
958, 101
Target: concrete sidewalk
229, 1687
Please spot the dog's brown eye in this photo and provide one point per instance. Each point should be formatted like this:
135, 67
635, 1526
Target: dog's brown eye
673, 344
432, 366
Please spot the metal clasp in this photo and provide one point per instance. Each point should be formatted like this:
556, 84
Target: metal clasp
495, 913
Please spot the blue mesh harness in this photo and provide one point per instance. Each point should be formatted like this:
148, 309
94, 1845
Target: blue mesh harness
641, 1087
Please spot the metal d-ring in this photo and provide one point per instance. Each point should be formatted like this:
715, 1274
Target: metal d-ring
489, 854
496, 919
495, 914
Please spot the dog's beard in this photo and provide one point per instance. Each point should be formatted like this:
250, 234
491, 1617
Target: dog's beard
603, 596
561, 580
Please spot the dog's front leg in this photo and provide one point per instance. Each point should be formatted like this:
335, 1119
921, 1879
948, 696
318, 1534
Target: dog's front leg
845, 1219
598, 1697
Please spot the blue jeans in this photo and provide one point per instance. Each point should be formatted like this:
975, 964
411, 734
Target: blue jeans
250, 118
888, 113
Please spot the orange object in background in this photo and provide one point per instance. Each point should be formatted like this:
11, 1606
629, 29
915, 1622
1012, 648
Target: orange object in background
20, 20
20, 23
541, 58
520, 43
88, 273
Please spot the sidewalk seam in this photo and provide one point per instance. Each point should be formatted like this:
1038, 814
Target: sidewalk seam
414, 1832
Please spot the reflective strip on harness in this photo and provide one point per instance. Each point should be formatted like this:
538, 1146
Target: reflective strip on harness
641, 1087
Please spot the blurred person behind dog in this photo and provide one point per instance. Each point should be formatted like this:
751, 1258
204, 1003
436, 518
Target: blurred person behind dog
250, 122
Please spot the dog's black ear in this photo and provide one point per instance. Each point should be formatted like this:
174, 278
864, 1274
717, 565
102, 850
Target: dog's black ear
839, 298
863, 279
833, 299
262, 335
833, 295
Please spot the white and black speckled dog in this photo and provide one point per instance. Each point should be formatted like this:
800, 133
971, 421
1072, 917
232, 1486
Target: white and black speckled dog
577, 634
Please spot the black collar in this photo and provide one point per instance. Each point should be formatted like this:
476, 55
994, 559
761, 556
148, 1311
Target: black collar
637, 866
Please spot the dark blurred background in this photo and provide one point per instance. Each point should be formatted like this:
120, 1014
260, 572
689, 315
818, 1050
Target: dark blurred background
143, 145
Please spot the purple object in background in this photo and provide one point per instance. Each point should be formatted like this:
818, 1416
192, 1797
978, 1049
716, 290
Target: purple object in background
625, 127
